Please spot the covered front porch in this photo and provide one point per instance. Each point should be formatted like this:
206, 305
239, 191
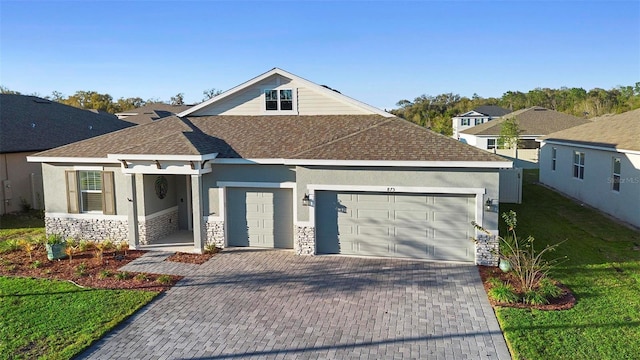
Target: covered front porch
165, 207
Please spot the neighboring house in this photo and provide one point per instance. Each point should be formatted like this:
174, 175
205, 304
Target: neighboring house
533, 123
279, 162
151, 112
598, 164
477, 116
29, 124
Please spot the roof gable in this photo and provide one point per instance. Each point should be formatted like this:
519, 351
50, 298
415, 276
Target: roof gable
533, 121
311, 98
620, 131
30, 123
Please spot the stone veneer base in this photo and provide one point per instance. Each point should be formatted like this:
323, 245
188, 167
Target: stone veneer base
214, 233
304, 242
87, 229
157, 227
487, 249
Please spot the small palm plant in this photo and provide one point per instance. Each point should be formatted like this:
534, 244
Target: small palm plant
72, 247
28, 246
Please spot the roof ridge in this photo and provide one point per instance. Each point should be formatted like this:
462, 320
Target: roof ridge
344, 137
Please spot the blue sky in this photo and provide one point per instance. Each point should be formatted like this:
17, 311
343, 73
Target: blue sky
375, 51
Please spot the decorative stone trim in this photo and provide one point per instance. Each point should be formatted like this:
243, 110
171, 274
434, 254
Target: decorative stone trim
304, 242
157, 227
214, 233
487, 250
87, 229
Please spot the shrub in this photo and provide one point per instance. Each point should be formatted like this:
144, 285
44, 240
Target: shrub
123, 275
123, 246
534, 297
36, 264
12, 245
548, 289
28, 246
81, 269
101, 247
54, 239
493, 281
503, 293
103, 274
141, 277
72, 246
211, 249
164, 279
84, 245
527, 264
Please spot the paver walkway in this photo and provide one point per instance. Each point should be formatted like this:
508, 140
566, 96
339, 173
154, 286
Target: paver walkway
247, 303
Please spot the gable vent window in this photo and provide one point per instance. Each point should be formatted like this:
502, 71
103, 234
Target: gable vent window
278, 100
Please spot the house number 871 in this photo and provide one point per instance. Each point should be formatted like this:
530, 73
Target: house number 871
390, 189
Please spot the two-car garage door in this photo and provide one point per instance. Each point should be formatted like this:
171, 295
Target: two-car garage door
423, 226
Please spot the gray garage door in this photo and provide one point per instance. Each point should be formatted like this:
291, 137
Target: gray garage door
260, 217
436, 227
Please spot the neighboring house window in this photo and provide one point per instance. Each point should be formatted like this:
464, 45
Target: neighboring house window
90, 191
491, 144
278, 100
465, 122
616, 174
553, 158
478, 121
578, 165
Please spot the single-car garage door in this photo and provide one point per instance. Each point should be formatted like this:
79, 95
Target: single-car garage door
423, 226
260, 217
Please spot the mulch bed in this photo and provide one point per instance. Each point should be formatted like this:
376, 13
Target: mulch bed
190, 258
564, 302
83, 269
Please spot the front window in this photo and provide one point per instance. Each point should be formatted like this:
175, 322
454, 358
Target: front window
90, 191
553, 159
478, 121
278, 100
491, 144
578, 165
465, 122
616, 175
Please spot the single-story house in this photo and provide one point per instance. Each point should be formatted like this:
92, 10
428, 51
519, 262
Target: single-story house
533, 123
279, 162
29, 124
151, 112
598, 164
477, 116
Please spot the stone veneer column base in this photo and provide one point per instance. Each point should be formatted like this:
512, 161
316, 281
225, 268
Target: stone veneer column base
304, 242
157, 227
87, 229
214, 233
487, 249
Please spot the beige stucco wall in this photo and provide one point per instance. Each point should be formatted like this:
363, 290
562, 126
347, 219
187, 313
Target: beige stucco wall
15, 168
596, 187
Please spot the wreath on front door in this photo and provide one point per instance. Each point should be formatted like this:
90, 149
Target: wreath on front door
161, 187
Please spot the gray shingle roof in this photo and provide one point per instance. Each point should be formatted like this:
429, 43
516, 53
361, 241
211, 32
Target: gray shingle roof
532, 121
492, 110
152, 112
29, 123
335, 137
620, 131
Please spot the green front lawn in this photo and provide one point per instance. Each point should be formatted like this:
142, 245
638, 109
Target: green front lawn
603, 271
56, 319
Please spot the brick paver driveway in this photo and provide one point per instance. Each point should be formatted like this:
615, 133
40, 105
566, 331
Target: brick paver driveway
247, 303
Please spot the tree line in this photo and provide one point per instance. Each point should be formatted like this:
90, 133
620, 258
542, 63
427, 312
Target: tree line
93, 100
435, 112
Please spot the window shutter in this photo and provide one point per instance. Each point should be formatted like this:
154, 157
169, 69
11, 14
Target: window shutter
108, 194
73, 206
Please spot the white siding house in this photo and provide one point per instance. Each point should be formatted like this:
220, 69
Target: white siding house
597, 164
477, 116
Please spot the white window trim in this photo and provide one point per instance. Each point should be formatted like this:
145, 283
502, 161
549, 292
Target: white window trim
464, 122
81, 191
614, 174
578, 165
294, 100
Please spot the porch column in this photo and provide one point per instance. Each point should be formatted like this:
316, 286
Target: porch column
132, 211
196, 201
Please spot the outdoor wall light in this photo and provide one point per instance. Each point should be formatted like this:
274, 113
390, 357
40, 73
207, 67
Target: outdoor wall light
306, 200
488, 205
